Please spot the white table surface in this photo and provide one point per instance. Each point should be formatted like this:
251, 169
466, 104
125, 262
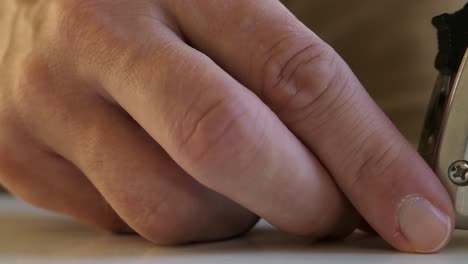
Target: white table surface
29, 235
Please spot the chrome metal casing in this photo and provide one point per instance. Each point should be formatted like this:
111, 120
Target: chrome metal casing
444, 142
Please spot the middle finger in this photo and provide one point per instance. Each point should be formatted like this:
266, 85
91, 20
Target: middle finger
223, 135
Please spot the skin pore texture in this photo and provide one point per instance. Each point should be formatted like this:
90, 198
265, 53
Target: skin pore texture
186, 121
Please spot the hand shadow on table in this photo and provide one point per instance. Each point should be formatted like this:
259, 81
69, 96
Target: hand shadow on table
47, 236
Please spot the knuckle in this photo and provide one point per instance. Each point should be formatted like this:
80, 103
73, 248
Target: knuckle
74, 16
308, 81
96, 30
70, 21
46, 91
82, 27
320, 219
34, 88
165, 223
163, 226
35, 77
223, 131
283, 69
157, 220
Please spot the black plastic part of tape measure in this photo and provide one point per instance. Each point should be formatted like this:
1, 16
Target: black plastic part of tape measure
453, 40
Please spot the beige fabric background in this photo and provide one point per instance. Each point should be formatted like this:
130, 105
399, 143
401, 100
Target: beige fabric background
390, 45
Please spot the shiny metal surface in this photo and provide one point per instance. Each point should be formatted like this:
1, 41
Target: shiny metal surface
452, 141
434, 118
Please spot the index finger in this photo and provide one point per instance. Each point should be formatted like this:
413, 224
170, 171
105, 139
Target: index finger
318, 97
220, 133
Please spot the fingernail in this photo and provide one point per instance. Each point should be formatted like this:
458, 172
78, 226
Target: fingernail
425, 227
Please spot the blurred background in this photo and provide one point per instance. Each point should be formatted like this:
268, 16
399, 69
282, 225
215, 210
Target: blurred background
389, 44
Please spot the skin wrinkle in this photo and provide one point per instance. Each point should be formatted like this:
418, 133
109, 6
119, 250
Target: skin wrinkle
353, 147
287, 79
330, 138
276, 64
192, 132
388, 154
373, 161
313, 113
269, 54
318, 115
242, 149
131, 64
187, 115
177, 129
214, 144
260, 144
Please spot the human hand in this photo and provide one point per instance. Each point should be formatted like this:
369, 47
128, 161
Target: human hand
155, 116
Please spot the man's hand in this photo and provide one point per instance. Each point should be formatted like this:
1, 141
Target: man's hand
185, 120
